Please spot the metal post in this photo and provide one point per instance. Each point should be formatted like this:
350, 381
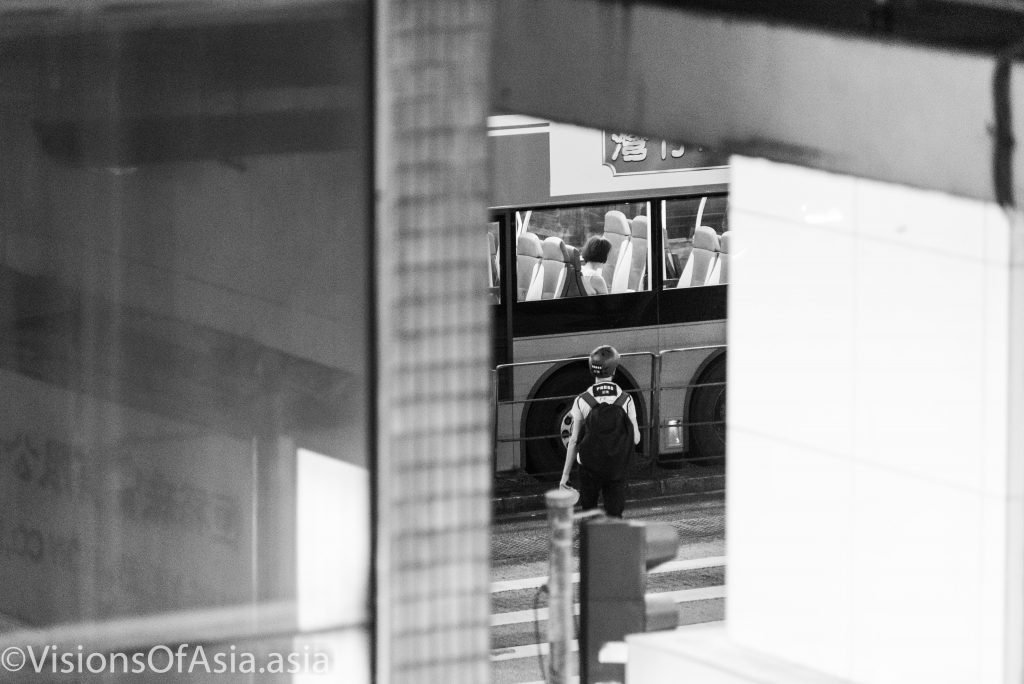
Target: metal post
560, 600
654, 434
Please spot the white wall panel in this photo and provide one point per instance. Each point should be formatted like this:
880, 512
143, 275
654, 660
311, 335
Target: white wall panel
869, 503
998, 477
805, 270
799, 548
797, 194
918, 336
916, 579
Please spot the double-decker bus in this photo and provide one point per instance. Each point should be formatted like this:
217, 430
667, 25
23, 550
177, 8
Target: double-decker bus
663, 208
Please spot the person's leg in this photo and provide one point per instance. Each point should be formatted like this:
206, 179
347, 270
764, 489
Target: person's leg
590, 488
614, 497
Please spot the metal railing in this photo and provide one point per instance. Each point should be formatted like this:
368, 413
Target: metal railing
652, 386
690, 387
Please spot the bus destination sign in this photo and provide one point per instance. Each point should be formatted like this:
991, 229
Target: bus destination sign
626, 153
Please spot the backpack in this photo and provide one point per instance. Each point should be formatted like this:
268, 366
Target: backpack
573, 277
607, 441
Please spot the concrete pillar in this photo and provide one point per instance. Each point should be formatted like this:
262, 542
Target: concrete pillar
433, 469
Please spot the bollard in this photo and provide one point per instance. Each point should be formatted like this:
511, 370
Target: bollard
560, 600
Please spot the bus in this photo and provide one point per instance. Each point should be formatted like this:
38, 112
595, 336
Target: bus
663, 206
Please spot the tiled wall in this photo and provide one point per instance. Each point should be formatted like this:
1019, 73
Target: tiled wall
434, 461
869, 469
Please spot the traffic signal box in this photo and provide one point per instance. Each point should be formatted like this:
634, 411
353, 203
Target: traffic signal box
614, 558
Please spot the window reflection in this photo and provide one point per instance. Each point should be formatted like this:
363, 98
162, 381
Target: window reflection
494, 262
183, 269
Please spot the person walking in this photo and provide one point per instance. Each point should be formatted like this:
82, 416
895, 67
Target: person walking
604, 436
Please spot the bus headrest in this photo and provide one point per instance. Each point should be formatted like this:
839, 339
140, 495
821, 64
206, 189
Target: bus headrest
724, 242
528, 244
615, 223
705, 238
570, 254
553, 251
639, 226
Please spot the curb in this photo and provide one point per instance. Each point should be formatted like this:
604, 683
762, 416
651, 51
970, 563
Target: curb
637, 490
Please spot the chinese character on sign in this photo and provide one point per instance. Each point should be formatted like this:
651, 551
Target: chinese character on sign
57, 466
25, 457
630, 153
192, 505
633, 147
226, 520
676, 152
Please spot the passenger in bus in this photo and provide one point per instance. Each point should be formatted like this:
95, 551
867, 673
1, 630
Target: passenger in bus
594, 255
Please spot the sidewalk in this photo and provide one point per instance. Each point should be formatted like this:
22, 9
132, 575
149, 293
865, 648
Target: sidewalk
514, 494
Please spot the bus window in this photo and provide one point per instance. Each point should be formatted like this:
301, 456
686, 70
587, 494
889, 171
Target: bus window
693, 229
549, 243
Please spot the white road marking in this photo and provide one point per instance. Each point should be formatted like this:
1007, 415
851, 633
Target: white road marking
527, 651
680, 596
671, 566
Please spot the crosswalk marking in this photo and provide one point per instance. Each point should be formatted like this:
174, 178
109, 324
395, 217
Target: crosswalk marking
679, 596
527, 651
671, 566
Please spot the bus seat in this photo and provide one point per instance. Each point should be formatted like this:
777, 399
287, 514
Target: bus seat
623, 265
702, 258
574, 274
617, 232
720, 274
554, 265
638, 269
672, 266
529, 254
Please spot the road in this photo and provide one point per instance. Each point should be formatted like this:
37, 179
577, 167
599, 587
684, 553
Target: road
519, 549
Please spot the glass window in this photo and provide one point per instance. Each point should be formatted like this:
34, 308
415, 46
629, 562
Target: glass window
696, 248
581, 251
184, 259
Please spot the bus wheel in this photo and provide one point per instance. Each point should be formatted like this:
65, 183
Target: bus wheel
548, 414
707, 414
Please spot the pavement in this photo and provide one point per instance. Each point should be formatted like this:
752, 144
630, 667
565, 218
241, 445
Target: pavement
520, 567
516, 492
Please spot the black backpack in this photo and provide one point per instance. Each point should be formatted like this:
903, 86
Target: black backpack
607, 441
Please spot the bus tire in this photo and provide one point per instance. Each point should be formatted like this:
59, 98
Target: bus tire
547, 414
707, 414
545, 458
